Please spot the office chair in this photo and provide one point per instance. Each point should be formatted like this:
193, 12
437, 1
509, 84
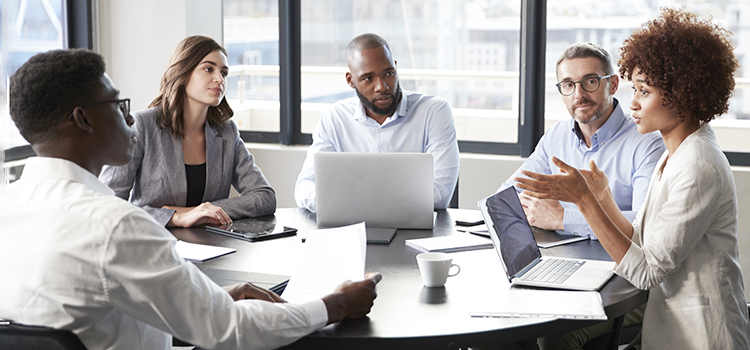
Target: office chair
454, 198
18, 336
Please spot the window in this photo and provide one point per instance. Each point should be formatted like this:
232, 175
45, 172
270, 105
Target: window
469, 52
465, 51
29, 27
251, 38
610, 22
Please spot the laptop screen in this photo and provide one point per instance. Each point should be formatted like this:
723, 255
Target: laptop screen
385, 190
515, 240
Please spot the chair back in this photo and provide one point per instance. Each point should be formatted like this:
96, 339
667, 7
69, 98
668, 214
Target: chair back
18, 336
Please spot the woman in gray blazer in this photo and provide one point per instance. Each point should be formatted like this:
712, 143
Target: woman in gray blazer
188, 152
682, 246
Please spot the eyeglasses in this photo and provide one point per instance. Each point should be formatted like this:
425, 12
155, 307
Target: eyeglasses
123, 104
590, 84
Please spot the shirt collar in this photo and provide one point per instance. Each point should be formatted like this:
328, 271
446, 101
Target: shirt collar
608, 129
65, 170
401, 110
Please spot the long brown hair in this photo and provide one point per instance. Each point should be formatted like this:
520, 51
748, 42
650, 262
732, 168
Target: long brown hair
188, 54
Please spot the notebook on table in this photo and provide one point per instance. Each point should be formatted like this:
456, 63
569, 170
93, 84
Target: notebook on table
449, 244
385, 190
520, 256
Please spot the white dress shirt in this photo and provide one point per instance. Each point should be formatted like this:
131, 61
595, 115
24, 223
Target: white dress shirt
421, 124
87, 261
684, 251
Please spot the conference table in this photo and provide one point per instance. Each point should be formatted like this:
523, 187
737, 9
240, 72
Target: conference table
407, 315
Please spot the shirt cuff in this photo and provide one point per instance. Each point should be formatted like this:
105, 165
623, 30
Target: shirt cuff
630, 262
316, 310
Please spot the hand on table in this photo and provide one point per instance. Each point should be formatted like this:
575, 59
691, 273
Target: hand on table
352, 299
543, 213
206, 213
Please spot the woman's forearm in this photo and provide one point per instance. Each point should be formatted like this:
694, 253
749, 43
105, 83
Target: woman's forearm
608, 230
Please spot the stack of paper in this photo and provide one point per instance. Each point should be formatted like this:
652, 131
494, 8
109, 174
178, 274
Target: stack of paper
517, 303
200, 252
453, 243
331, 256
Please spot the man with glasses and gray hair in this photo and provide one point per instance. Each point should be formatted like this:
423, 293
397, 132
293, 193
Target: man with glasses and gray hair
599, 131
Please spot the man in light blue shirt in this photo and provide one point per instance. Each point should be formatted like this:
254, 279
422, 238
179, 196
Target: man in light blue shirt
383, 118
599, 131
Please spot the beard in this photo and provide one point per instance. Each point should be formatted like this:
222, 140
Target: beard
597, 113
395, 99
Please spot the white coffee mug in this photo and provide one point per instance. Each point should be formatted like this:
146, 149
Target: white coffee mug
435, 268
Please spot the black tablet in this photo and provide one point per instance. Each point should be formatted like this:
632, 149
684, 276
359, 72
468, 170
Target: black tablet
253, 230
472, 220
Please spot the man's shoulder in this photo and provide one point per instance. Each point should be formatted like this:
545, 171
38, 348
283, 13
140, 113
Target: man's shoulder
561, 126
348, 104
112, 211
414, 98
340, 108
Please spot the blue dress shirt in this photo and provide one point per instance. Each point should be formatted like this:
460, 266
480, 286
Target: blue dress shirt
421, 124
627, 157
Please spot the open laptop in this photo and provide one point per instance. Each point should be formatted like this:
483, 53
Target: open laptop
523, 263
391, 190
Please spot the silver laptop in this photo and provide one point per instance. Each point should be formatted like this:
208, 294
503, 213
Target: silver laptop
382, 189
523, 263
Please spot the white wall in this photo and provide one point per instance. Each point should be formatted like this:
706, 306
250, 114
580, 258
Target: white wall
137, 37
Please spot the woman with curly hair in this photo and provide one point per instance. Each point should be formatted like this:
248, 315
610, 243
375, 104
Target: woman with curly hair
682, 246
189, 153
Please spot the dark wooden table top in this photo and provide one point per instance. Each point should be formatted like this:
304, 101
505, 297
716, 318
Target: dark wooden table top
407, 314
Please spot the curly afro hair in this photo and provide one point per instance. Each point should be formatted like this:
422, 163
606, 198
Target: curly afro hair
690, 60
45, 90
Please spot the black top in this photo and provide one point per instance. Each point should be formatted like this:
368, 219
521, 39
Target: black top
196, 183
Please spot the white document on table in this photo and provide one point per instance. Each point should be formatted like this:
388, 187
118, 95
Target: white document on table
200, 252
517, 303
330, 257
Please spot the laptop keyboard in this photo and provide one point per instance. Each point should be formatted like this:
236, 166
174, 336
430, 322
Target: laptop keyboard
552, 270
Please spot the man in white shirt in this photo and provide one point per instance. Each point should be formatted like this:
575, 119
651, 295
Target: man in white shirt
383, 118
87, 261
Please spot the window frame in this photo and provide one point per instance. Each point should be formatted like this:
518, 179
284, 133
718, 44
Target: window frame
531, 87
79, 35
